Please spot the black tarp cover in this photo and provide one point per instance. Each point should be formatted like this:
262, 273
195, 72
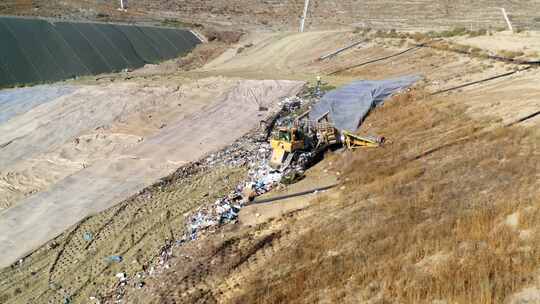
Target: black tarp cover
349, 105
36, 50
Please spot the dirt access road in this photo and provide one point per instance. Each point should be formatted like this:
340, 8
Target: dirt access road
42, 137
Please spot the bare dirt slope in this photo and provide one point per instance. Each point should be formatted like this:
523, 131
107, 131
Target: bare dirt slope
87, 126
525, 44
115, 175
296, 56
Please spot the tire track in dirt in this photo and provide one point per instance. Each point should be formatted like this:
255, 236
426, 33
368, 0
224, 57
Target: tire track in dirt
138, 224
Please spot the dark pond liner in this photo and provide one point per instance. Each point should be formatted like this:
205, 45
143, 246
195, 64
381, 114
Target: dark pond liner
37, 50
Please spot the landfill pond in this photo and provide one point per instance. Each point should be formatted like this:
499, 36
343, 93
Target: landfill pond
39, 51
67, 152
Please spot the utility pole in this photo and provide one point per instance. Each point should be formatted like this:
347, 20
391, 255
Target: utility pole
510, 27
304, 16
123, 5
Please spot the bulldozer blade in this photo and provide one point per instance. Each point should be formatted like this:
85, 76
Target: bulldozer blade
278, 156
287, 162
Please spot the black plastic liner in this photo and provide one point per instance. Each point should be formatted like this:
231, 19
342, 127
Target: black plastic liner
37, 51
13, 59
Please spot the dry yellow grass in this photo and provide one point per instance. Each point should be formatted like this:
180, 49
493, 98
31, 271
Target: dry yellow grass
420, 220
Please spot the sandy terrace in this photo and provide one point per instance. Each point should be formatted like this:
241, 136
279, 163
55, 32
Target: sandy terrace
63, 133
85, 151
527, 43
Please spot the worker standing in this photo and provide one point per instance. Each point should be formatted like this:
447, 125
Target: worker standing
318, 87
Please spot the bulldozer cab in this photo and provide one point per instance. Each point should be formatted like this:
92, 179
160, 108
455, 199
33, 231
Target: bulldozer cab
285, 142
288, 135
284, 135
288, 139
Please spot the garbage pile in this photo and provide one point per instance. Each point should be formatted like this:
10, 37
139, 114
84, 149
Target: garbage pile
291, 104
261, 179
118, 292
252, 151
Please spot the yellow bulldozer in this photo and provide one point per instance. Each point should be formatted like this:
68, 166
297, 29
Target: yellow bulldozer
313, 137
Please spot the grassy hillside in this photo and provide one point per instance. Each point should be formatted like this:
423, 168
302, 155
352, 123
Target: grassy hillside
448, 213
413, 15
